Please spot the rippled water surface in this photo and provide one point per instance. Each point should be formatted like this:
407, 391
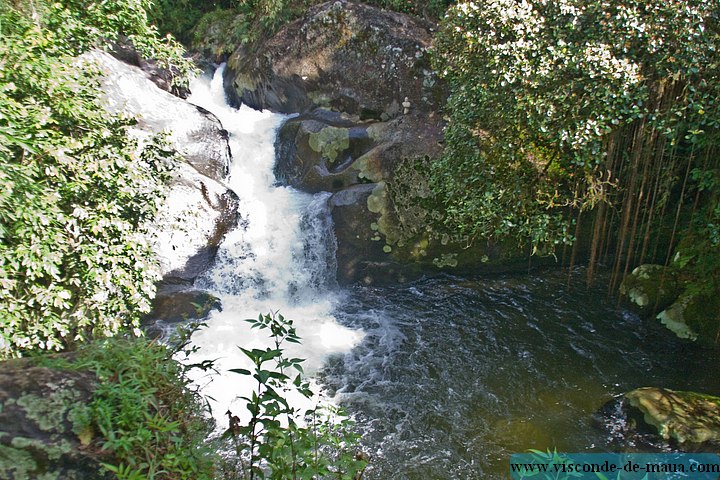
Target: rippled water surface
456, 374
447, 376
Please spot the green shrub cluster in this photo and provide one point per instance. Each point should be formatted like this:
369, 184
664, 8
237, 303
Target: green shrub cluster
75, 259
145, 420
561, 106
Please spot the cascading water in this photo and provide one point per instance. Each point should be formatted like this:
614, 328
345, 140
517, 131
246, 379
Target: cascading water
280, 258
446, 376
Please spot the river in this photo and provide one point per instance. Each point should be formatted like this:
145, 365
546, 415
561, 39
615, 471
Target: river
445, 376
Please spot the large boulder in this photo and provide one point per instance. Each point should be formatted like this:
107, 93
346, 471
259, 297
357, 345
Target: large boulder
41, 434
358, 161
199, 209
687, 420
346, 56
371, 168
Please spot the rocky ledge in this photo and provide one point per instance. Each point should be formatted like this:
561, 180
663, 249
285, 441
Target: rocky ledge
688, 421
341, 55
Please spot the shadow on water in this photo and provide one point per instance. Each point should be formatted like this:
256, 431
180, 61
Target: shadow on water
456, 374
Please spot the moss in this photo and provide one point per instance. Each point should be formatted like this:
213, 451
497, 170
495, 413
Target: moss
51, 412
53, 451
330, 142
18, 464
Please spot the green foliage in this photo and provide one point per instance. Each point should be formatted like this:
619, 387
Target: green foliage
430, 9
75, 259
263, 18
556, 104
144, 414
279, 442
218, 33
75, 26
179, 17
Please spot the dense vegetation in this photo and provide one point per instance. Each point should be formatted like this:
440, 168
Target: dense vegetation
585, 121
75, 259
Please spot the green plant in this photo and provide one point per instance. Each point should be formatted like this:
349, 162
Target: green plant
563, 108
146, 420
152, 423
78, 191
279, 442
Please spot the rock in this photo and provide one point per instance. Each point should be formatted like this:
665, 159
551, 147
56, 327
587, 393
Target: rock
334, 152
360, 253
126, 52
689, 418
688, 313
694, 316
195, 133
673, 318
315, 152
655, 418
173, 305
191, 224
346, 56
651, 288
199, 209
41, 435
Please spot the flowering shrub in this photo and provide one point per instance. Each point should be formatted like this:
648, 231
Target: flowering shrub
75, 260
555, 103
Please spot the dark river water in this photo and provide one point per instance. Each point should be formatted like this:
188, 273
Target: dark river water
455, 374
446, 376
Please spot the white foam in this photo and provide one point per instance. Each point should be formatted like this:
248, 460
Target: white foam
280, 258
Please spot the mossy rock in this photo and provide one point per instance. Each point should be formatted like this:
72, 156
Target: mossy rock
346, 56
43, 432
651, 288
694, 316
690, 419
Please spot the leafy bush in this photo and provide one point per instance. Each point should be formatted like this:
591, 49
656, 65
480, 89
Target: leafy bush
75, 259
565, 106
279, 442
145, 417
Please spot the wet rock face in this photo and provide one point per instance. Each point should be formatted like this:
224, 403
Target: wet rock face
660, 418
171, 305
41, 434
199, 209
126, 52
349, 57
333, 152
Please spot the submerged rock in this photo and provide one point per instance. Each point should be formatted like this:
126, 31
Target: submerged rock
347, 56
199, 209
687, 420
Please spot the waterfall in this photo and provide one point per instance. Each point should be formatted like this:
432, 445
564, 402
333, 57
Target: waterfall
281, 257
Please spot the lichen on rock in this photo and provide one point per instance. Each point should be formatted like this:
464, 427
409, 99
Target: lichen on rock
689, 418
